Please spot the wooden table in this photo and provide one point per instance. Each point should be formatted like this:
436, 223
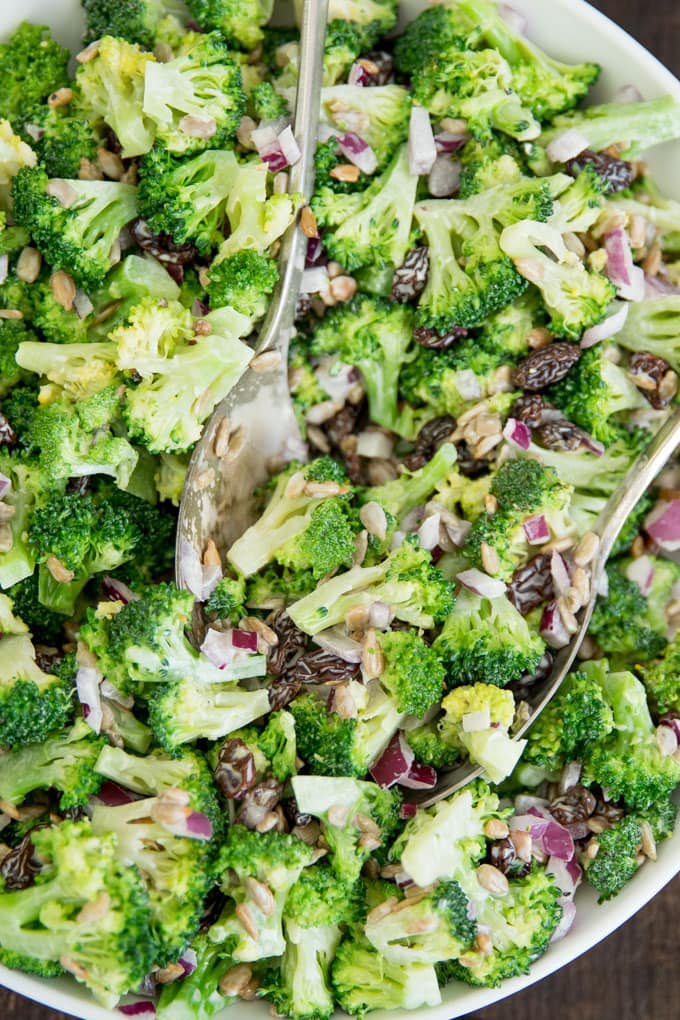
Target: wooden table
634, 974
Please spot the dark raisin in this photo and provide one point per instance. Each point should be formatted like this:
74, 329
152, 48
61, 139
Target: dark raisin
342, 424
303, 306
430, 338
385, 68
292, 643
529, 408
8, 436
281, 692
259, 802
429, 439
212, 908
162, 246
561, 435
235, 769
293, 813
576, 805
47, 657
611, 813
81, 485
546, 366
520, 687
655, 377
502, 854
615, 174
410, 278
19, 867
532, 584
468, 464
322, 667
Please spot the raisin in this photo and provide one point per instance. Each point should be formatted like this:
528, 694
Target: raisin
501, 853
8, 436
520, 687
292, 643
343, 423
281, 692
529, 408
322, 667
576, 805
47, 658
561, 435
258, 802
293, 813
19, 867
546, 366
532, 584
430, 338
235, 770
81, 485
385, 68
655, 377
429, 439
162, 246
410, 278
615, 174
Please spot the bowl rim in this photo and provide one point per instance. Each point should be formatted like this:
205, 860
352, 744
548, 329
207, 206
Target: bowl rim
64, 995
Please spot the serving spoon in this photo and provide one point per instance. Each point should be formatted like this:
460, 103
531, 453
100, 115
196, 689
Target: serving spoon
614, 515
253, 431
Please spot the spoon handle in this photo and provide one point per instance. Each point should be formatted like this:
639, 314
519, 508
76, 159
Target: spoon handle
278, 326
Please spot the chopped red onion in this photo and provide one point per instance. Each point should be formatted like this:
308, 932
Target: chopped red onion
578, 830
567, 874
558, 842
237, 662
118, 591
566, 146
315, 252
444, 177
560, 573
380, 615
4, 267
374, 444
335, 641
448, 142
428, 532
467, 384
138, 1009
200, 580
247, 640
628, 94
422, 151
620, 263
526, 802
536, 530
358, 152
552, 628
481, 584
609, 327
113, 795
188, 961
641, 571
659, 285
34, 132
420, 777
274, 157
566, 921
518, 433
594, 445
473, 722
670, 722
663, 524
314, 280
394, 764
198, 826
407, 810
358, 75
5, 485
82, 304
199, 308
87, 686
514, 18
185, 823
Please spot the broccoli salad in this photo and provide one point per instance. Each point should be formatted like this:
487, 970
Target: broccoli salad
488, 333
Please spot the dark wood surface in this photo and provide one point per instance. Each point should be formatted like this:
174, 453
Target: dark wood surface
634, 974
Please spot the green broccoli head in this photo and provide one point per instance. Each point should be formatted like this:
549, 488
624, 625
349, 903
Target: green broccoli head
45, 625
436, 30
364, 980
199, 993
32, 66
380, 114
265, 103
633, 130
477, 721
616, 861
66, 138
660, 677
187, 709
436, 927
227, 600
13, 332
138, 22
429, 748
413, 673
244, 281
33, 704
321, 897
240, 21
624, 622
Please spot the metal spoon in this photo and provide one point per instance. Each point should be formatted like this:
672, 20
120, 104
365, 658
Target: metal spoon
255, 426
612, 519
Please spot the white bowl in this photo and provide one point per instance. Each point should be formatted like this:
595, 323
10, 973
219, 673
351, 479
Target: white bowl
573, 31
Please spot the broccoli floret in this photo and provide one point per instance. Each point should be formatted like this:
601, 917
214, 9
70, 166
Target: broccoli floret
523, 488
364, 980
413, 673
579, 206
661, 678
80, 236
429, 748
332, 746
547, 86
436, 30
138, 21
255, 220
187, 199
320, 897
576, 719
112, 86
588, 472
380, 115
326, 157
413, 488
77, 371
14, 154
594, 392
63, 761
45, 625
110, 950
316, 795
471, 228
239, 21
519, 924
616, 860
302, 527
265, 103
575, 298
628, 763
642, 125
490, 712
150, 775
653, 326
373, 226
13, 332
624, 621
184, 710
227, 600
183, 378
32, 66
437, 927
447, 841
487, 640
199, 995
32, 704
200, 87
373, 18
375, 336
66, 139
272, 858
28, 487
244, 281
278, 743
407, 580
80, 536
